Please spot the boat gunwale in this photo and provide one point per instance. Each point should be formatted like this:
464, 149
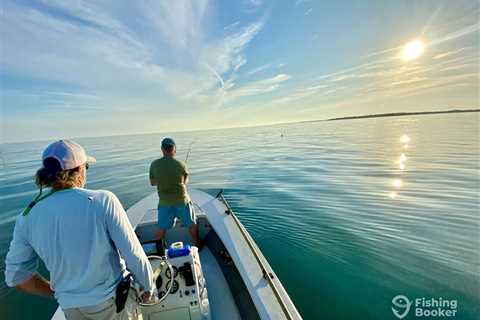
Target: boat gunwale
267, 271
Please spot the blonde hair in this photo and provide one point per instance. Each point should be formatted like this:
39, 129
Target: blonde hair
52, 175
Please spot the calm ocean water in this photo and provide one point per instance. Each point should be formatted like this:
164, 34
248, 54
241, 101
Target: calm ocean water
349, 213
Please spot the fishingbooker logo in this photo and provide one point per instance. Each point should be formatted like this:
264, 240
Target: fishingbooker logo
401, 302
424, 307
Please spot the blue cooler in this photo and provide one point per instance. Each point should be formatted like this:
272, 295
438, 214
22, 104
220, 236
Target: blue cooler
178, 249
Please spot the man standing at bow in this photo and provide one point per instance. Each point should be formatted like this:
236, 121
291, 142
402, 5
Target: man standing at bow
170, 176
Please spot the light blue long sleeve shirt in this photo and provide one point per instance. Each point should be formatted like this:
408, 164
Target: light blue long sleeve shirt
86, 241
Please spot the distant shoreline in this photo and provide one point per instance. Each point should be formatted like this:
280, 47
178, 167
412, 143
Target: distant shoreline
400, 114
380, 115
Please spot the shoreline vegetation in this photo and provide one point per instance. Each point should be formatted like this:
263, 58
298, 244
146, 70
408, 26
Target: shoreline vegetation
399, 114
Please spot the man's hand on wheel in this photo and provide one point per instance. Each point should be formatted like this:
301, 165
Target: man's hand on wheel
146, 296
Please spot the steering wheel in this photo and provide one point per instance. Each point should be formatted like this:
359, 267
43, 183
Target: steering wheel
158, 266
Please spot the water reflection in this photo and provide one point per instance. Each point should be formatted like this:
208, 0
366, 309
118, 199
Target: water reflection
405, 139
397, 183
402, 165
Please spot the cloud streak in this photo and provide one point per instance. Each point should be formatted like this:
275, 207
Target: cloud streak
258, 87
448, 53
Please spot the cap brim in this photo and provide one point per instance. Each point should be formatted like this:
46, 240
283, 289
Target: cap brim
91, 160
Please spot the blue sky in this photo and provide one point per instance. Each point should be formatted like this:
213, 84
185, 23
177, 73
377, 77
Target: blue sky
78, 68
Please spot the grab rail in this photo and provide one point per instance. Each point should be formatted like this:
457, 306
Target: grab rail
266, 274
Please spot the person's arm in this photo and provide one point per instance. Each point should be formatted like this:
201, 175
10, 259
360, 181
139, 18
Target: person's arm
153, 182
126, 241
21, 264
185, 174
37, 285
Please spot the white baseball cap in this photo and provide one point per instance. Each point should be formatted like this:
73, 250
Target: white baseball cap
68, 153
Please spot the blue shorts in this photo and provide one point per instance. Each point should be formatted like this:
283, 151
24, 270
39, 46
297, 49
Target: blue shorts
184, 212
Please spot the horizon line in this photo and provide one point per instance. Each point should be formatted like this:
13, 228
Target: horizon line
375, 115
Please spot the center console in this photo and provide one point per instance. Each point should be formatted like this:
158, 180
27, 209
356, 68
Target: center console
188, 297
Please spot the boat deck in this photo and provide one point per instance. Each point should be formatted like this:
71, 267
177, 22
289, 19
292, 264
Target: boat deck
227, 294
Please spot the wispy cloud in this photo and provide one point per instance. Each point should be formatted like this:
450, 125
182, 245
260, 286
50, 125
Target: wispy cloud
456, 34
298, 2
67, 101
314, 88
385, 51
461, 66
252, 5
448, 53
231, 26
227, 54
344, 77
179, 23
370, 64
436, 84
258, 87
259, 69
93, 46
308, 11
409, 81
256, 2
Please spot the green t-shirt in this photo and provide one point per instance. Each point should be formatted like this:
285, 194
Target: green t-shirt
170, 175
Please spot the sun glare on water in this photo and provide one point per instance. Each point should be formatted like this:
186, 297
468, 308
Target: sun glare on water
397, 183
405, 139
412, 50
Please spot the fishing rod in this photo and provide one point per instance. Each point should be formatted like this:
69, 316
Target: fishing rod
189, 149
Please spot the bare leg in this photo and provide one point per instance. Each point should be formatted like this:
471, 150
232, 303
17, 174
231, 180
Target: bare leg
194, 233
160, 236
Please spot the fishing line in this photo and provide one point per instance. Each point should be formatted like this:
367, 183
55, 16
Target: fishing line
189, 149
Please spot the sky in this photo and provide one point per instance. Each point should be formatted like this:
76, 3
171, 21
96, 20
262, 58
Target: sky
95, 68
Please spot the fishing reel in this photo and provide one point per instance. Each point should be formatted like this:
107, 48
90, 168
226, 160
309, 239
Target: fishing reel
160, 265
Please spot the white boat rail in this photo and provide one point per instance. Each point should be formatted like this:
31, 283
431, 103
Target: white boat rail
267, 274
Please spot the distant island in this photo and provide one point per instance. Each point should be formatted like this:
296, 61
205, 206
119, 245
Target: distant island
399, 114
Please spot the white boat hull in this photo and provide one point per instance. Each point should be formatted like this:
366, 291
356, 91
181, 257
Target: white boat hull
268, 295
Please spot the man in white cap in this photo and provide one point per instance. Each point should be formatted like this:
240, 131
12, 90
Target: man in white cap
84, 238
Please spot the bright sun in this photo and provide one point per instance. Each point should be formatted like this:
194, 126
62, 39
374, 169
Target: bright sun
412, 50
